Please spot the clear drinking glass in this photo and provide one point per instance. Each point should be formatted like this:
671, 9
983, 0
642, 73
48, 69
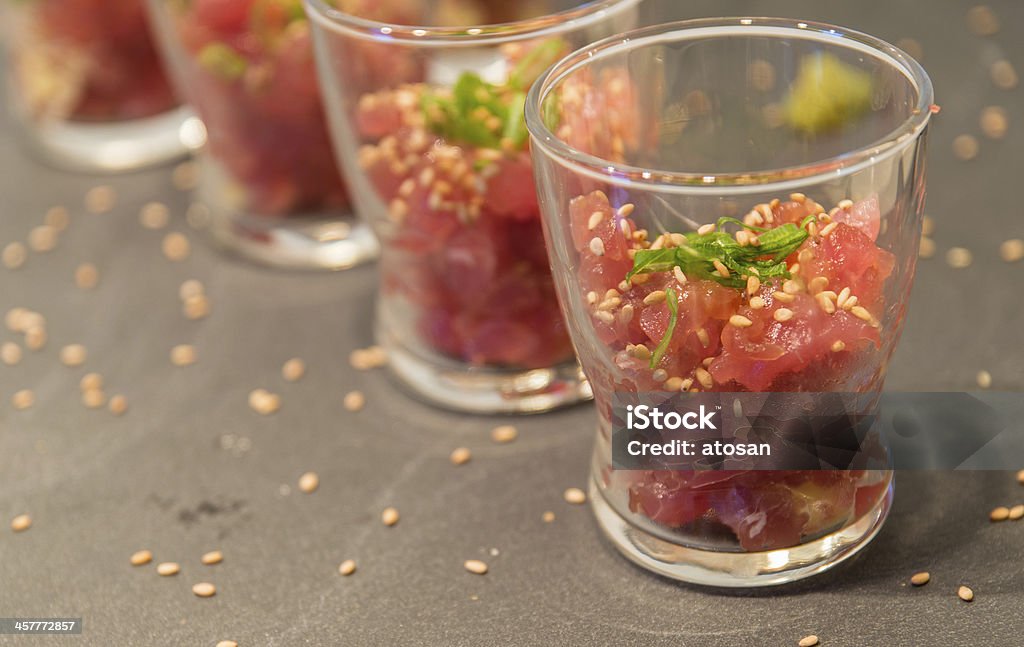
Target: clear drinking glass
427, 118
644, 142
87, 85
267, 171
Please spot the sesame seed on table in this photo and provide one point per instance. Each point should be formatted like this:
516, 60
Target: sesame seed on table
134, 455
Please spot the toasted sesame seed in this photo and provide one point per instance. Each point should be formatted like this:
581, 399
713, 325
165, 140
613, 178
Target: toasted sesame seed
73, 355
183, 355
994, 122
982, 20
1016, 512
1004, 76
722, 270
141, 557
196, 307
57, 217
94, 398
14, 255
838, 346
1020, 477
817, 284
175, 246
154, 215
756, 302
984, 379
843, 296
185, 176
504, 434
626, 210
398, 209
704, 377
753, 285
118, 405
347, 567
705, 229
574, 495
597, 246
475, 566
926, 248
850, 302
959, 257
783, 314
673, 383
740, 321
783, 297
23, 399
965, 147
42, 238
227, 643
21, 523
861, 313
354, 401
548, 516
389, 516
828, 229
366, 358
965, 593
35, 337
10, 353
168, 568
791, 287
703, 337
808, 641
659, 375
293, 370
707, 361
678, 273
1002, 513
825, 301
920, 579
595, 220
460, 456
204, 589
1012, 250
90, 381
86, 276
797, 197
264, 402
927, 225
658, 296
100, 199
309, 482
212, 557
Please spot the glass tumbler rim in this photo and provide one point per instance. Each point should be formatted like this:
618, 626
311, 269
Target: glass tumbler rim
580, 16
778, 180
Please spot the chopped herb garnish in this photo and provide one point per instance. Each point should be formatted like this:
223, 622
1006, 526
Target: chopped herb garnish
696, 258
221, 59
484, 114
673, 316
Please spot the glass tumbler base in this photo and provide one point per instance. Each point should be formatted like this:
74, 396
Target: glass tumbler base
737, 569
111, 147
460, 387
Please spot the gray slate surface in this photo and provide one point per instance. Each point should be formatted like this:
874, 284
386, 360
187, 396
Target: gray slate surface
100, 488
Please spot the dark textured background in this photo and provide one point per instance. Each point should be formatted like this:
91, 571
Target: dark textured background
99, 488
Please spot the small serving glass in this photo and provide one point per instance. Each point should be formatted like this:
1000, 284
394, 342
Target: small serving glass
267, 172
733, 205
86, 84
427, 117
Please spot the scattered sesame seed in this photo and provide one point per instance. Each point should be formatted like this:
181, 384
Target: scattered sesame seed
740, 321
354, 400
982, 20
784, 297
658, 296
838, 346
14, 255
94, 398
23, 399
504, 434
21, 523
264, 402
204, 589
959, 257
347, 567
460, 456
703, 230
756, 302
704, 377
1004, 76
994, 122
594, 220
783, 314
1012, 250
626, 210
389, 516
196, 307
35, 337
168, 568
548, 516
1016, 512
597, 246
90, 381
86, 276
227, 643
1020, 477
575, 496
154, 215
475, 566
100, 199
722, 270
753, 285
965, 147
984, 379
920, 579
141, 557
190, 288
366, 358
293, 370
175, 246
678, 273
703, 337
183, 355
118, 405
1002, 513
791, 287
309, 482
10, 353
861, 313
927, 225
212, 557
42, 238
73, 355
808, 641
817, 284
57, 217
965, 593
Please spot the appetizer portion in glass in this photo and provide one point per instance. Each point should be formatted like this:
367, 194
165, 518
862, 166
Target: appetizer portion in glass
88, 85
436, 154
685, 263
268, 173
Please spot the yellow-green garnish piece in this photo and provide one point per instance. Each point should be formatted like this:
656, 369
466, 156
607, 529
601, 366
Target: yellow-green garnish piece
827, 95
222, 60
